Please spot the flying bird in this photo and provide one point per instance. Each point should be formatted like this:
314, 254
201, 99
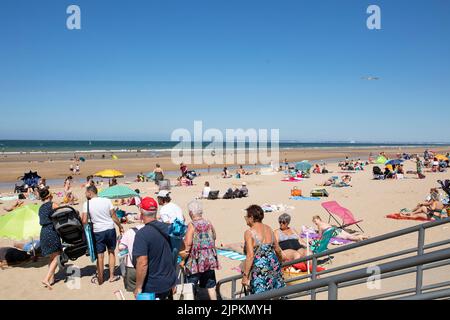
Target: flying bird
370, 78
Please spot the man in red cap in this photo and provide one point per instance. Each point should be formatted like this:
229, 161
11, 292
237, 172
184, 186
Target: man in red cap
152, 253
127, 242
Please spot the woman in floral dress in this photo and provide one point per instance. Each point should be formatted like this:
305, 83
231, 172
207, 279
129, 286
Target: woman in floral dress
200, 248
262, 267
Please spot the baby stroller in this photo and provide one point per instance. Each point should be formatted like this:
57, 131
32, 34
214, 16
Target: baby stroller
67, 223
445, 186
377, 173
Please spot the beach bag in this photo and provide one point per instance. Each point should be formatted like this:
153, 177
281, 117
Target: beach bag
184, 291
319, 193
237, 193
213, 195
295, 192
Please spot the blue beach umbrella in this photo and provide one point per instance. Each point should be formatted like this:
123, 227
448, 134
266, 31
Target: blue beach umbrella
394, 162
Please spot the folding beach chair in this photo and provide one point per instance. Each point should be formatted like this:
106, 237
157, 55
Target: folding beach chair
321, 245
333, 208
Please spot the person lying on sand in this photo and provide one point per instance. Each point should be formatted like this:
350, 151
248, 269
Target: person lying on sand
327, 183
322, 226
16, 205
235, 247
21, 252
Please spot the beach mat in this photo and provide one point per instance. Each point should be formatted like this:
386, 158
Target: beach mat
305, 198
397, 216
231, 255
292, 179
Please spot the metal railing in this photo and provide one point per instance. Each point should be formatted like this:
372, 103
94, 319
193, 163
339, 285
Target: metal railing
316, 286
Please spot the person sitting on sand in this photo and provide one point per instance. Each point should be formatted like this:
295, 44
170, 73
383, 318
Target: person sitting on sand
226, 173
206, 190
317, 169
289, 240
69, 197
340, 233
432, 209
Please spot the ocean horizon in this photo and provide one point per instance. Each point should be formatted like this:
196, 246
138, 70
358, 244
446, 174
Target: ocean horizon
98, 146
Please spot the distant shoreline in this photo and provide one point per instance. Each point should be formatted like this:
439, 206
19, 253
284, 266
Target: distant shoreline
129, 163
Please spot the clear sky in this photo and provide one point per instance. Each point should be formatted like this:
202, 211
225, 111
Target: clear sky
139, 69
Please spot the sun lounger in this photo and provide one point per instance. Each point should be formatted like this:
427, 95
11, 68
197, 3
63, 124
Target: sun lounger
333, 208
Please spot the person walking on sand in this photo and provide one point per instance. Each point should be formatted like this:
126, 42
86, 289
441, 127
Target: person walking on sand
103, 217
49, 239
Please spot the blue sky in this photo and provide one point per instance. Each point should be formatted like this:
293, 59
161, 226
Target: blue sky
140, 69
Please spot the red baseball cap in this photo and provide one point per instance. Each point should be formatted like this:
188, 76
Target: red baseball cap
149, 204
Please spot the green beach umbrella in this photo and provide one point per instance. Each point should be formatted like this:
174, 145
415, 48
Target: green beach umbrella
303, 166
381, 160
21, 224
118, 192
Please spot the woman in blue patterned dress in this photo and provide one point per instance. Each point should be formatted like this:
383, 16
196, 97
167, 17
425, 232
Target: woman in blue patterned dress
262, 267
50, 240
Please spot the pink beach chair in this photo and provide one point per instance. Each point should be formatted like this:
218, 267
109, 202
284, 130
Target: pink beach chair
333, 208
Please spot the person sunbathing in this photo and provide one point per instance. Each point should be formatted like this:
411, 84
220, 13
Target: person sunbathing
340, 233
292, 246
16, 205
327, 183
432, 209
235, 247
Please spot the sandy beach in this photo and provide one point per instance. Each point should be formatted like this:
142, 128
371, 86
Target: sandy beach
369, 200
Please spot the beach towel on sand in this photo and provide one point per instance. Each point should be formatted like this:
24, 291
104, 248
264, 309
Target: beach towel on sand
305, 198
397, 216
231, 255
292, 179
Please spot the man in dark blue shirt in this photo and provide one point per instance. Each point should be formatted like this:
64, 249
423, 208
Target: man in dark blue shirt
155, 269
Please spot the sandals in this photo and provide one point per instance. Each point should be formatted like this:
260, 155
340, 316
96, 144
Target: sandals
114, 279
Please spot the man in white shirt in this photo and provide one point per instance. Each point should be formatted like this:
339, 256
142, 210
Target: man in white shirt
103, 217
168, 211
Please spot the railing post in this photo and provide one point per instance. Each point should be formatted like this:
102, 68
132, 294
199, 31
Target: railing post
313, 277
419, 270
332, 291
233, 289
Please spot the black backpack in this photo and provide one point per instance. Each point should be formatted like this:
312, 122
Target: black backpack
213, 195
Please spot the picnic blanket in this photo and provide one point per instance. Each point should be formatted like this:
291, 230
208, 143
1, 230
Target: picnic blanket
292, 179
305, 198
397, 216
231, 255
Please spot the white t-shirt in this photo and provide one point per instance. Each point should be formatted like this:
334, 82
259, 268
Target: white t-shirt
206, 191
169, 212
100, 212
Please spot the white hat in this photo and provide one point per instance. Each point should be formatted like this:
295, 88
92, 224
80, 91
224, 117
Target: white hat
163, 194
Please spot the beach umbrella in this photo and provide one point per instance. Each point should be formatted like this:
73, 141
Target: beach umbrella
303, 166
395, 162
441, 157
82, 159
118, 192
381, 160
150, 175
21, 224
109, 174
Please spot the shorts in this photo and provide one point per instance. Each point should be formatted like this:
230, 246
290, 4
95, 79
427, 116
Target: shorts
105, 240
129, 279
205, 280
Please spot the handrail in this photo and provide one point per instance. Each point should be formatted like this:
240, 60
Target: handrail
332, 281
315, 257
